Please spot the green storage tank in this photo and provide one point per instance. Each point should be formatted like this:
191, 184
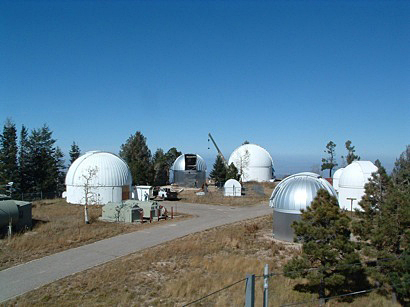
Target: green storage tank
16, 212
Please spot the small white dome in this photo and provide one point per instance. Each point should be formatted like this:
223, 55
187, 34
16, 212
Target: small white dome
112, 171
296, 192
232, 187
255, 161
179, 163
357, 174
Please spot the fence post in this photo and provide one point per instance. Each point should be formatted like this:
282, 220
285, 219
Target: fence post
250, 290
265, 285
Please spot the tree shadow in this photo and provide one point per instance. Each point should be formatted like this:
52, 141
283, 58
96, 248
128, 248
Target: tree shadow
356, 281
36, 223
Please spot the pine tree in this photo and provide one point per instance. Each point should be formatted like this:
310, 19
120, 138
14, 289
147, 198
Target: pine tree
218, 172
138, 156
8, 153
42, 160
170, 157
330, 162
351, 156
232, 172
74, 152
401, 170
23, 160
365, 226
325, 235
383, 227
59, 170
160, 168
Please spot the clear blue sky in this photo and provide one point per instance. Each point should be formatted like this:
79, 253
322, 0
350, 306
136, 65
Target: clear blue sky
289, 76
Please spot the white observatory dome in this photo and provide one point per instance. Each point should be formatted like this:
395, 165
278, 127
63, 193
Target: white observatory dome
111, 182
357, 174
352, 182
296, 192
255, 162
336, 178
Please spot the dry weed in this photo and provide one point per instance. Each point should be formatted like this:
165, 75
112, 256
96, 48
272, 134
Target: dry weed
186, 269
58, 226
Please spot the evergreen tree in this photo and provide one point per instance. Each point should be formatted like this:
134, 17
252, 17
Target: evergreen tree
365, 226
170, 157
401, 170
138, 156
383, 227
42, 161
74, 152
232, 172
330, 162
23, 160
325, 235
351, 156
8, 153
218, 172
59, 170
160, 168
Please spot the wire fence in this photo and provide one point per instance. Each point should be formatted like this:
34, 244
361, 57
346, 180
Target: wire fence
35, 196
314, 300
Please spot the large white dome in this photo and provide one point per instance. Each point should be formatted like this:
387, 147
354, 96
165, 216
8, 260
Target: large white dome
111, 170
357, 174
255, 162
296, 192
111, 181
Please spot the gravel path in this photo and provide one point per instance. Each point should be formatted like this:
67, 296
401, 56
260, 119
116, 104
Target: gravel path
22, 278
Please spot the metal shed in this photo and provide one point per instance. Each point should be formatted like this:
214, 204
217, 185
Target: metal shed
143, 192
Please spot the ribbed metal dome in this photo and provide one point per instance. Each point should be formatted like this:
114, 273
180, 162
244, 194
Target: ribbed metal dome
112, 171
179, 163
296, 192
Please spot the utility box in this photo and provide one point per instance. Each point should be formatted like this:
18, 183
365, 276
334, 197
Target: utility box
127, 212
152, 209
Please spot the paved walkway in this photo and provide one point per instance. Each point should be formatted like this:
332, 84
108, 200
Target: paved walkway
22, 278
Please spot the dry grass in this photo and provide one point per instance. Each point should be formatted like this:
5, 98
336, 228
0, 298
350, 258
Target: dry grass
58, 226
184, 270
216, 197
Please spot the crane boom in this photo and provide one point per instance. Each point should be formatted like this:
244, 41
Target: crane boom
217, 149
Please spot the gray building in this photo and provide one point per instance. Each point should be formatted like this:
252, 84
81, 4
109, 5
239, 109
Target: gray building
17, 213
131, 211
188, 170
292, 194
